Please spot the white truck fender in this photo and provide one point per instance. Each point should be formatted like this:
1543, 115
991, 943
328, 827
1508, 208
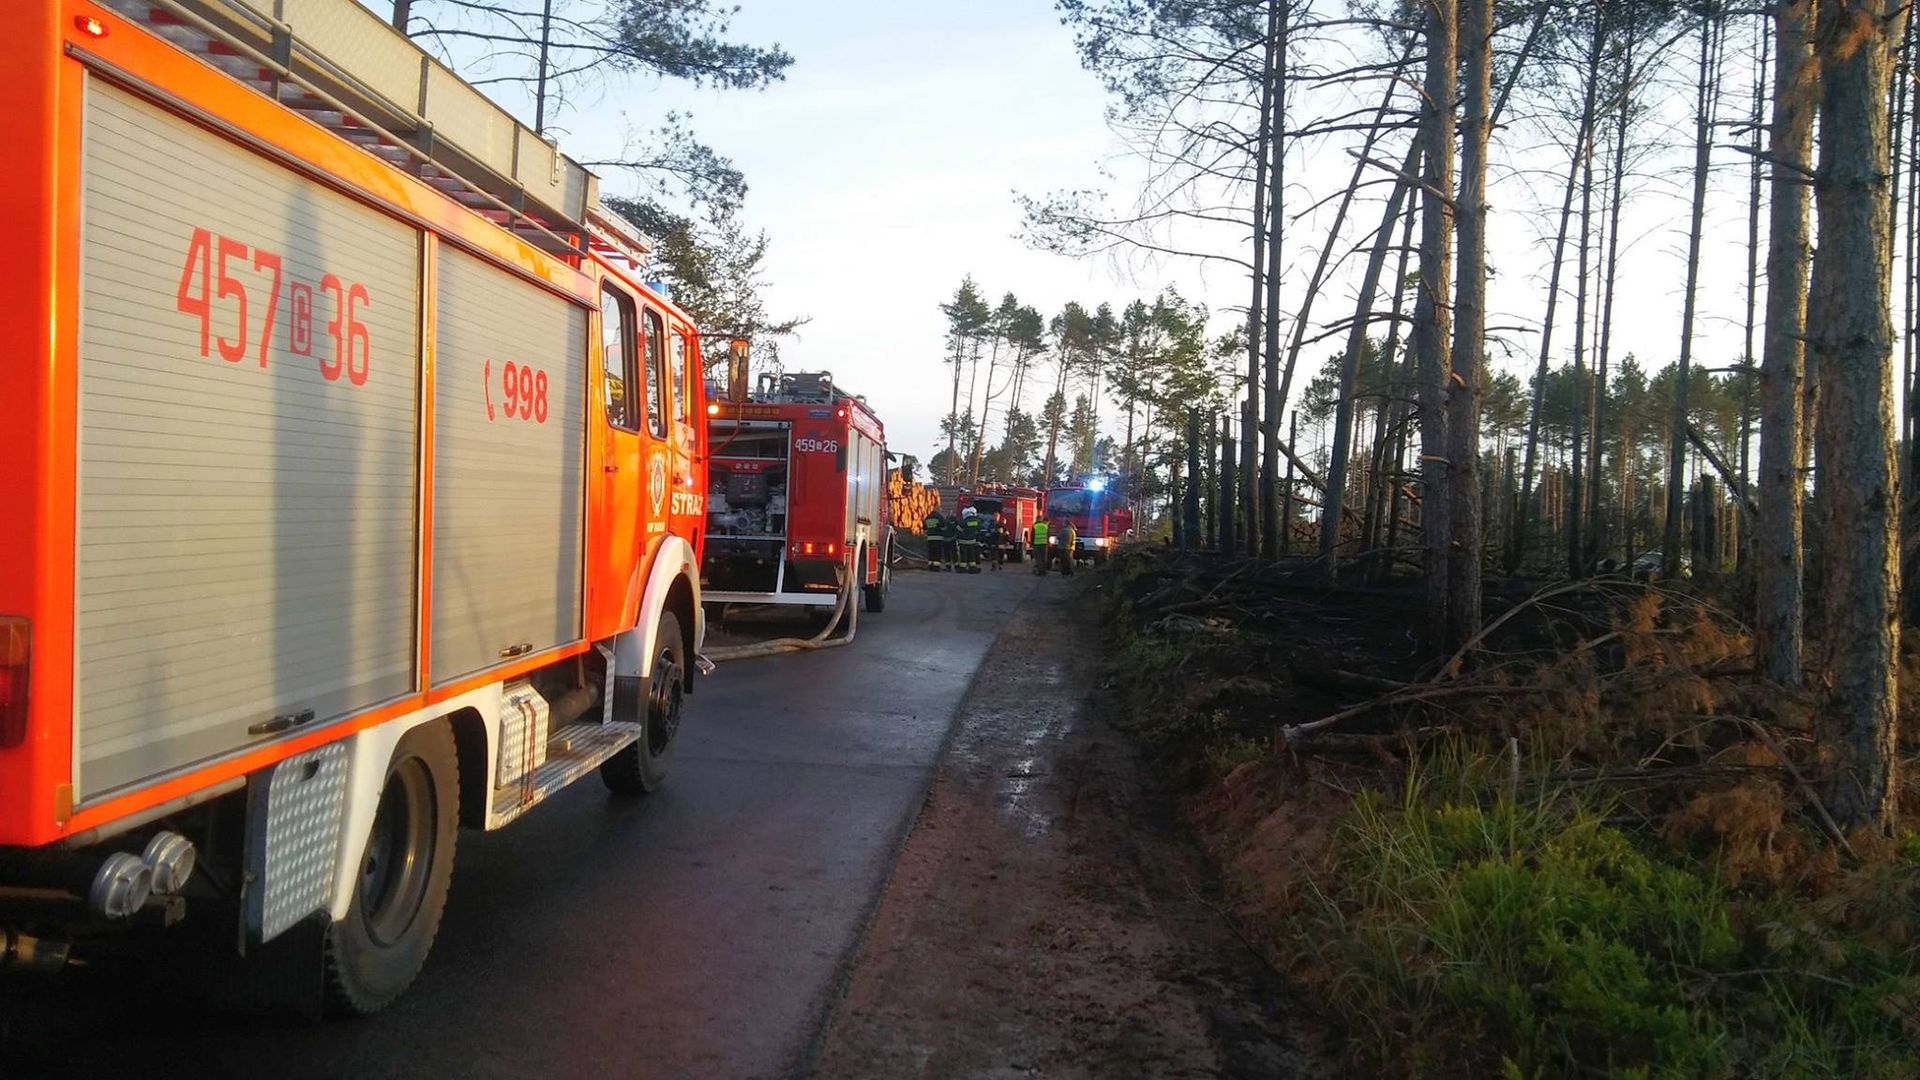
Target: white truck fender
369, 753
634, 650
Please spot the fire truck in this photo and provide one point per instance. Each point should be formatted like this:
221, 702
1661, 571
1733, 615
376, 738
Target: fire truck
797, 505
1099, 516
352, 478
1018, 508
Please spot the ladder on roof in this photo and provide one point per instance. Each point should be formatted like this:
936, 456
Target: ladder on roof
450, 136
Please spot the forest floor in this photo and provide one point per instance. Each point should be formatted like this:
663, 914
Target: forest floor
1049, 914
1590, 844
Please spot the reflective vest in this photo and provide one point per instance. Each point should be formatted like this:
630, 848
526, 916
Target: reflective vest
1039, 534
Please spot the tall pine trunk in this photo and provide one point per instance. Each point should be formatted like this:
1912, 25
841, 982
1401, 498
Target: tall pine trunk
1344, 403
1616, 197
1517, 543
1779, 555
1396, 454
1582, 390
1745, 554
1432, 319
1851, 333
1677, 442
1469, 328
1276, 222
1250, 409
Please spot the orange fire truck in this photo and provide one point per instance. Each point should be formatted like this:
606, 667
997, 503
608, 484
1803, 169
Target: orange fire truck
352, 482
798, 509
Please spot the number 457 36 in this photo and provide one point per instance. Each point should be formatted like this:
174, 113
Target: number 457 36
207, 281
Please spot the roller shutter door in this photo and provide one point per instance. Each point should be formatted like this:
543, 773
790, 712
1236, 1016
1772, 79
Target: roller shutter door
249, 388
509, 440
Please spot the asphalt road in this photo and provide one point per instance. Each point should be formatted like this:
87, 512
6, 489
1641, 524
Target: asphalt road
701, 932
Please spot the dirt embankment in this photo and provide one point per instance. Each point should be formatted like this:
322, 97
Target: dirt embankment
1048, 915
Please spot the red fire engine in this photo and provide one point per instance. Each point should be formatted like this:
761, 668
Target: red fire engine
797, 497
1018, 508
1099, 516
352, 478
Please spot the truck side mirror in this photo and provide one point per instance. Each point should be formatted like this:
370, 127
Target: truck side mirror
737, 369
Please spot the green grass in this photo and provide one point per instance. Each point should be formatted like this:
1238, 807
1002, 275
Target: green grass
1533, 936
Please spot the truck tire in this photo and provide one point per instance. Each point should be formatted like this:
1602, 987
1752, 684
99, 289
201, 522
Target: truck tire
373, 954
641, 767
875, 595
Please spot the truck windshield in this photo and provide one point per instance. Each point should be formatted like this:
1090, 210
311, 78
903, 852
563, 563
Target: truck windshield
1074, 502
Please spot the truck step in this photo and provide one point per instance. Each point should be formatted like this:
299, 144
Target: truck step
572, 752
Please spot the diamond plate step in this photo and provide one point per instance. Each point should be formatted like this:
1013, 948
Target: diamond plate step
572, 752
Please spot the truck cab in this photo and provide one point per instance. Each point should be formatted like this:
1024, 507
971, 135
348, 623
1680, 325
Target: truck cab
1099, 516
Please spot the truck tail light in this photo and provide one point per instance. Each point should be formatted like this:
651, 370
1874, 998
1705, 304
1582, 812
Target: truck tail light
16, 635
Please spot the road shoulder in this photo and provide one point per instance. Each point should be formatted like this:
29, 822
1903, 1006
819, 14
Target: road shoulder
1047, 913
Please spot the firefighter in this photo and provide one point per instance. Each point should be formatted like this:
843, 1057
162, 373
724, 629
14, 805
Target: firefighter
935, 526
970, 540
993, 536
950, 542
1037, 547
1069, 542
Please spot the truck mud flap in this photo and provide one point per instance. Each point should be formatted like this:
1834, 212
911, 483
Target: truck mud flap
296, 812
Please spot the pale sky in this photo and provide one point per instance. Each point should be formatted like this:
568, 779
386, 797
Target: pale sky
884, 169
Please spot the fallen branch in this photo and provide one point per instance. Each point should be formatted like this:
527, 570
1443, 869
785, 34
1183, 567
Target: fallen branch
1414, 696
1830, 826
1452, 666
1327, 678
1343, 742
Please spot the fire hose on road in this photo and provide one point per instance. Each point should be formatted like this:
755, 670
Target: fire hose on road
844, 610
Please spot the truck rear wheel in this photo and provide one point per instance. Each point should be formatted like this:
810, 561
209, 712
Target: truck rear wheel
374, 953
641, 767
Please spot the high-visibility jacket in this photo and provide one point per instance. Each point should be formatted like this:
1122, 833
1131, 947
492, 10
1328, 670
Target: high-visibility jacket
933, 525
970, 528
1039, 534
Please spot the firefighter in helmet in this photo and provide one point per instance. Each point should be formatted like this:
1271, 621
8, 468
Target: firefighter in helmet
970, 540
935, 527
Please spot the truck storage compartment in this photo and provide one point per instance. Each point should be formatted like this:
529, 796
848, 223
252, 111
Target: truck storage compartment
248, 448
509, 444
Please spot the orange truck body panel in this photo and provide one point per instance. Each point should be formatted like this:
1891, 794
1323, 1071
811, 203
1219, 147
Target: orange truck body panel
50, 60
